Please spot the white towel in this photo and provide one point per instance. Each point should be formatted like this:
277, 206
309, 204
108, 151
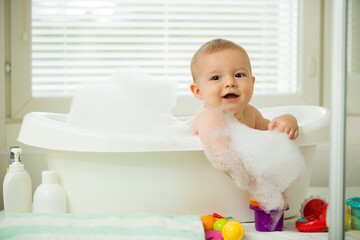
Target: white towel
100, 226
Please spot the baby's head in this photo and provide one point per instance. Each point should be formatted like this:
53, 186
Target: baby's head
222, 75
212, 47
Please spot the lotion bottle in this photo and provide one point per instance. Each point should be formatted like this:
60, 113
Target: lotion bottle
49, 197
17, 187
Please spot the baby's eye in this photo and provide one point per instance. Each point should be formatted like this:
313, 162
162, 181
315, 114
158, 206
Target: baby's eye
215, 78
239, 75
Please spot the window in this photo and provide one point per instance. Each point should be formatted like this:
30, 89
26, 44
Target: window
78, 41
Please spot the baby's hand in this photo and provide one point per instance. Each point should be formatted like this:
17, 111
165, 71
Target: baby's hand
287, 124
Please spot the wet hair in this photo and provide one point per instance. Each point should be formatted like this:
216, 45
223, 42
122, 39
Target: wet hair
211, 47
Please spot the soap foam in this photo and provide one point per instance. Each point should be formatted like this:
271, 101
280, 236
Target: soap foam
264, 163
129, 102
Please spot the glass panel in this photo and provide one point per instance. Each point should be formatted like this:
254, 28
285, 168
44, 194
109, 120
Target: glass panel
353, 57
352, 183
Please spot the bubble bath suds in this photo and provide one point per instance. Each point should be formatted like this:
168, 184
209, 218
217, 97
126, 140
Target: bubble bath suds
130, 102
264, 163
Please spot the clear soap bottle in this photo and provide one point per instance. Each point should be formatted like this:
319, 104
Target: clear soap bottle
17, 189
49, 197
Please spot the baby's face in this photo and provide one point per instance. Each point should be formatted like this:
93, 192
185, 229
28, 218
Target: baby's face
224, 79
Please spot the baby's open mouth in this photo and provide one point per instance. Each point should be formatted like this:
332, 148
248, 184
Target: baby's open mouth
231, 95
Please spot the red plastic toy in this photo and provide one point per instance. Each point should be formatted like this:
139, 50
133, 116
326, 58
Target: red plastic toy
313, 216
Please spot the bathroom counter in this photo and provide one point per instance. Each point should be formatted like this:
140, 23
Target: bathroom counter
289, 229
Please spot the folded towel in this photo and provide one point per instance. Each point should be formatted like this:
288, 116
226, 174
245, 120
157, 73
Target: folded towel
100, 226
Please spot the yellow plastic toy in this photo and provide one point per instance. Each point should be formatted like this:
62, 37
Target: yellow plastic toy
233, 231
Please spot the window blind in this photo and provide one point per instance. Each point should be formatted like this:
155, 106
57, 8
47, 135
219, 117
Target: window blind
76, 41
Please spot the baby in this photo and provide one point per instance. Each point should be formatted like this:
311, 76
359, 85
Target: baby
223, 79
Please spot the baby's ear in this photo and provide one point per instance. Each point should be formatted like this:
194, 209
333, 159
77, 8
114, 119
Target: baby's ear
253, 81
196, 91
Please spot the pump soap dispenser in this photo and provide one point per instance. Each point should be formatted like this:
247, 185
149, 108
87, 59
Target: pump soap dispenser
17, 187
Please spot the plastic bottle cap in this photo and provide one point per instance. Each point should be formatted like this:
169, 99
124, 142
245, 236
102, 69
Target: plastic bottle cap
49, 177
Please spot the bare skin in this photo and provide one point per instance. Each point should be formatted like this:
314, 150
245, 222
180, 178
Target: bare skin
224, 80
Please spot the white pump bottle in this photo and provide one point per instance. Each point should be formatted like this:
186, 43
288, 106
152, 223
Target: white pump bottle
17, 190
49, 197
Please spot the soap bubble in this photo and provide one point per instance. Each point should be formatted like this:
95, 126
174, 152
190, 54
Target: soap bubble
129, 102
264, 163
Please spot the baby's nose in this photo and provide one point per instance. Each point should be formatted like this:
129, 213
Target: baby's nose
230, 83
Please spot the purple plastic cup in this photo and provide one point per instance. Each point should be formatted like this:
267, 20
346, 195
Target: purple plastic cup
268, 222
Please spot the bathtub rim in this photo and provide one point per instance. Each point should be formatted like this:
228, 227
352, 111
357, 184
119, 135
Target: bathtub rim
45, 130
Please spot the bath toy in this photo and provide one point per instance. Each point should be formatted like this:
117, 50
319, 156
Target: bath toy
233, 231
267, 221
253, 202
208, 222
354, 203
219, 224
213, 234
216, 215
347, 217
314, 213
222, 229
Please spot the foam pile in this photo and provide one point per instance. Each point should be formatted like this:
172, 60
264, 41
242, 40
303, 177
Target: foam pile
129, 102
264, 163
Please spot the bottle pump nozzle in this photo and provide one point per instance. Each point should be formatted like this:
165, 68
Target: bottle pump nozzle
16, 152
16, 165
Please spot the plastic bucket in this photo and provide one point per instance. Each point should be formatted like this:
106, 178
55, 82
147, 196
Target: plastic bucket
268, 222
354, 203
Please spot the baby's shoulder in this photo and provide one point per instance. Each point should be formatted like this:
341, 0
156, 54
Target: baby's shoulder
210, 113
207, 117
251, 112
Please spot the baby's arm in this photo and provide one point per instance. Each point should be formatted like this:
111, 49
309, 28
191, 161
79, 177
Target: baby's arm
207, 122
215, 134
285, 123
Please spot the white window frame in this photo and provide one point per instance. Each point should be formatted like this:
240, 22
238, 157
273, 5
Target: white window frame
22, 101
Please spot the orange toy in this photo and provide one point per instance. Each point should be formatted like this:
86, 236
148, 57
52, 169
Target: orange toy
208, 222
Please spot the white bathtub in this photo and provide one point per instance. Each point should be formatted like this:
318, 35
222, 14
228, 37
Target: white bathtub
112, 173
